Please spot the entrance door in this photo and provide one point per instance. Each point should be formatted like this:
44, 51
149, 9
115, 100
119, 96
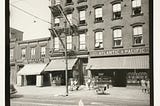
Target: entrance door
119, 78
31, 79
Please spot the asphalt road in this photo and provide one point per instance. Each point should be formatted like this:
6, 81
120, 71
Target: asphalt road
100, 100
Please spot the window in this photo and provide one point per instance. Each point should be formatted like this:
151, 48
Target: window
11, 53
136, 7
117, 11
43, 51
33, 50
56, 43
98, 39
69, 42
57, 2
82, 17
68, 1
137, 35
98, 14
56, 21
117, 37
23, 53
82, 41
69, 17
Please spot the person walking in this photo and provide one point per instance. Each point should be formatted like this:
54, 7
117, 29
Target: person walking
89, 83
143, 85
148, 85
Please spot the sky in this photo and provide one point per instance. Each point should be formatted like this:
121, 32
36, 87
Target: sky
32, 27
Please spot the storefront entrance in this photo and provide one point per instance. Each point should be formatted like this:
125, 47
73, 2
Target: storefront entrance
31, 79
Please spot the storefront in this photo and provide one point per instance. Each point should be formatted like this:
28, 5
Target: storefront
56, 70
31, 74
122, 67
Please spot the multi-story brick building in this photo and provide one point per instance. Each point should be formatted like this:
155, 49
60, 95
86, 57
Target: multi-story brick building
111, 40
28, 58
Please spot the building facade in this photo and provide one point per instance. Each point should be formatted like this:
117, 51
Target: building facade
28, 58
108, 38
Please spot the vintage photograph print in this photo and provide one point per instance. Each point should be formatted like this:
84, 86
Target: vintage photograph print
80, 53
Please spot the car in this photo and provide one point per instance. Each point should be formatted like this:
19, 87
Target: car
12, 89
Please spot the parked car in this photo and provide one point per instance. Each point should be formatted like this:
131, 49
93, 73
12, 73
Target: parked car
12, 89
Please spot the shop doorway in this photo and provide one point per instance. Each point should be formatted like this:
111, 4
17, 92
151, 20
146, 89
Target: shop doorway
31, 79
119, 78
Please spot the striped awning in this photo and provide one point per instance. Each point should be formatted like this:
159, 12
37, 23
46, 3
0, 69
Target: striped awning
127, 62
32, 69
60, 65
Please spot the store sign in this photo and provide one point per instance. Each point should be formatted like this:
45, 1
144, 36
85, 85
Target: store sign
36, 60
130, 51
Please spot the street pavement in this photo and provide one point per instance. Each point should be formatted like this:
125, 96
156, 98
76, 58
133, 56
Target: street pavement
55, 96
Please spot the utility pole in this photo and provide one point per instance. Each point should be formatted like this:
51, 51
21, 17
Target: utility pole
66, 58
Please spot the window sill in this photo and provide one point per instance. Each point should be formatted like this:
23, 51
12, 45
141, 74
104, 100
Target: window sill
85, 24
100, 21
141, 14
98, 48
115, 47
69, 4
136, 45
117, 18
80, 1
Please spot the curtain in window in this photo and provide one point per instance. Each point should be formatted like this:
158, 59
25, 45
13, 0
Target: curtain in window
82, 15
116, 7
136, 3
137, 30
98, 12
117, 33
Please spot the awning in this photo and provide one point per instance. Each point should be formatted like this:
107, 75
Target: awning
59, 65
128, 62
32, 69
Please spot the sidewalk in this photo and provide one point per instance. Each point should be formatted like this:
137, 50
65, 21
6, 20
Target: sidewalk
115, 92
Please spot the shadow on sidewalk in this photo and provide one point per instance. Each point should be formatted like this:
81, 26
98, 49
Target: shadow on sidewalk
16, 96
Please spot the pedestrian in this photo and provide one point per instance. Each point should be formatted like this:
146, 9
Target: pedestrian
72, 84
148, 85
143, 85
89, 83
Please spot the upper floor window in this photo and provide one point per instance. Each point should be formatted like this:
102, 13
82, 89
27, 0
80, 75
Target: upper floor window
82, 41
11, 53
43, 51
117, 11
57, 2
69, 17
136, 7
23, 53
82, 17
117, 37
68, 2
99, 39
98, 14
137, 35
33, 52
69, 42
56, 43
56, 21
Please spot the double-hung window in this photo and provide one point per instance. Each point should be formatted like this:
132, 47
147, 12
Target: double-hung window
56, 21
82, 41
69, 42
23, 53
98, 14
136, 7
69, 17
56, 43
57, 2
117, 11
99, 39
137, 35
33, 52
82, 17
117, 37
43, 51
11, 54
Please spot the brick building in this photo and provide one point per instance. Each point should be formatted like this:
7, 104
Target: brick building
110, 40
28, 58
